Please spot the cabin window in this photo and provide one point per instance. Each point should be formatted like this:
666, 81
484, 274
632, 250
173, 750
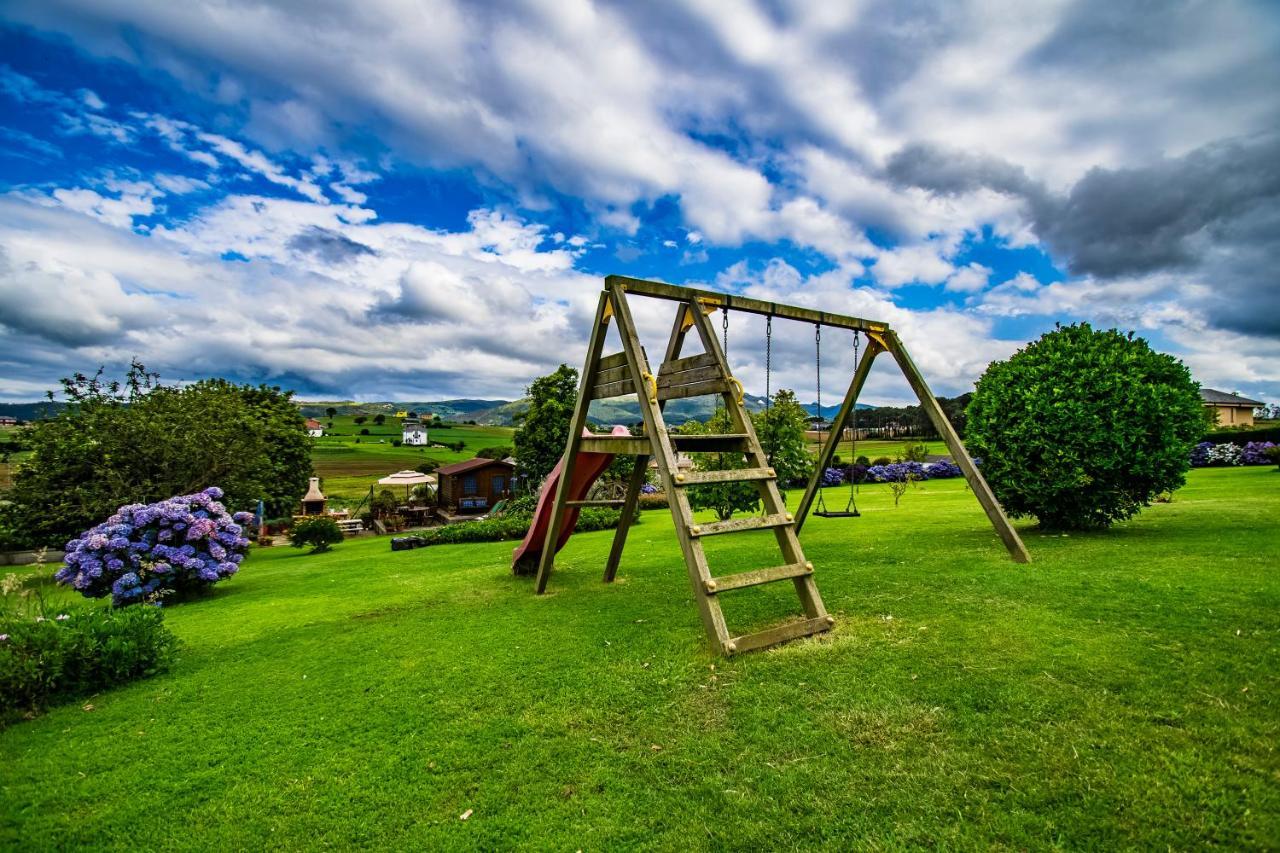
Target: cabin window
469, 486
499, 484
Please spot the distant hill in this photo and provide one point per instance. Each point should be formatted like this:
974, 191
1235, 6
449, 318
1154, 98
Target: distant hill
31, 411
621, 410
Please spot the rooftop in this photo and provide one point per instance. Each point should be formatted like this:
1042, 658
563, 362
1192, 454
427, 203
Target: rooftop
471, 465
1222, 398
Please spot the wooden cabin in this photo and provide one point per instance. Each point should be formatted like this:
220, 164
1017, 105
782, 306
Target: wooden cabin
475, 485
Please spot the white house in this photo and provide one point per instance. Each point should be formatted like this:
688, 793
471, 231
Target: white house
315, 429
413, 433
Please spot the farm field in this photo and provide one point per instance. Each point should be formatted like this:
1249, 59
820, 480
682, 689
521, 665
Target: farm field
348, 469
1122, 691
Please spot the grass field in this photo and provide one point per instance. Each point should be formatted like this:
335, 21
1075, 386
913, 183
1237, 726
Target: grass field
1119, 692
348, 469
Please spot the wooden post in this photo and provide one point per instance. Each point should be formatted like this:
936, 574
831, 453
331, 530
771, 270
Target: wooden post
567, 462
656, 428
833, 439
971, 473
638, 475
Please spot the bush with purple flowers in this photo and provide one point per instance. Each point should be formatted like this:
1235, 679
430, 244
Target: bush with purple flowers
832, 477
1206, 454
1257, 453
943, 469
182, 544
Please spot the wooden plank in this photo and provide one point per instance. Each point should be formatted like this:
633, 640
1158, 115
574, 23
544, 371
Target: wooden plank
599, 503
613, 374
987, 498
639, 474
622, 445
696, 389
609, 362
759, 576
730, 475
728, 443
833, 437
779, 634
688, 377
693, 362
612, 389
658, 290
739, 525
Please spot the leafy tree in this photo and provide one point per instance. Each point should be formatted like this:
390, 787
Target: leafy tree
331, 412
781, 431
359, 419
497, 451
139, 441
544, 428
379, 420
1083, 428
319, 532
724, 498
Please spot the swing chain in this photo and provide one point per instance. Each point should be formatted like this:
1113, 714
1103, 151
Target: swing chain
817, 353
768, 358
724, 324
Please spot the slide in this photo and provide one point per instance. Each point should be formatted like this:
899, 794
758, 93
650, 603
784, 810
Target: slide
586, 470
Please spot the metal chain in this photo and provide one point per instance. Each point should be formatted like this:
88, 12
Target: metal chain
724, 324
768, 358
854, 414
817, 353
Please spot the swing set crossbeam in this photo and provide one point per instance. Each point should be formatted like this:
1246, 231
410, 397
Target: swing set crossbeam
712, 299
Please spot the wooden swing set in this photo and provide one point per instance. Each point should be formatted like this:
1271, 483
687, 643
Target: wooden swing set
628, 372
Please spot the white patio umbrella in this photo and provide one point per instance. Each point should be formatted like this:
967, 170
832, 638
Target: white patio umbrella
408, 479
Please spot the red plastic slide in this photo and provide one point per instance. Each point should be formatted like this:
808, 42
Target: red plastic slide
586, 470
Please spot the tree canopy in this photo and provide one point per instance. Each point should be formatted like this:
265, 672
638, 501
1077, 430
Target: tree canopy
1084, 427
544, 428
723, 498
140, 441
781, 429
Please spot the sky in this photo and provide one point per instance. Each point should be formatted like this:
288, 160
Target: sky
419, 200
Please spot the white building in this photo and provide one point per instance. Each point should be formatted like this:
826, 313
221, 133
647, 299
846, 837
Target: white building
413, 433
315, 429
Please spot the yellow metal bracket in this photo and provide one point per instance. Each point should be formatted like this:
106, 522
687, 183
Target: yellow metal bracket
608, 311
652, 382
877, 338
737, 385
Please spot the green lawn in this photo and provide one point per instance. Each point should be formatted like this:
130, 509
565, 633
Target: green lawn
348, 469
1119, 692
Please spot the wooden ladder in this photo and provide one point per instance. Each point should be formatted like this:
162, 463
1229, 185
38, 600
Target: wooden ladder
628, 372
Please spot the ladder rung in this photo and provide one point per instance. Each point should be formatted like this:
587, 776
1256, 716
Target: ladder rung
690, 377
614, 503
779, 634
759, 576
606, 390
737, 525
729, 475
693, 362
608, 362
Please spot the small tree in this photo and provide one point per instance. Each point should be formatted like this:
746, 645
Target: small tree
781, 431
723, 498
379, 420
1083, 428
359, 419
331, 412
319, 532
544, 428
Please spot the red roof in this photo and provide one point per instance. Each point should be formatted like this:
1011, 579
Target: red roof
471, 465
312, 423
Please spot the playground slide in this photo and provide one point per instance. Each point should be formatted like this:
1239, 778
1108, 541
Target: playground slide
587, 469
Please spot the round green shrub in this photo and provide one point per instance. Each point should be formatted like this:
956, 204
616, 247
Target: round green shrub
318, 531
1083, 427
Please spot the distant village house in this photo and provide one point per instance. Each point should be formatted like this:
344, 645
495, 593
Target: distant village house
1230, 410
414, 433
315, 429
6, 420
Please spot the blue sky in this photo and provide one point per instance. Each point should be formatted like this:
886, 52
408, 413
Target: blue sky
416, 202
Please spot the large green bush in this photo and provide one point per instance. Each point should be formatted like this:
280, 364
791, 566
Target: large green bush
1084, 427
319, 532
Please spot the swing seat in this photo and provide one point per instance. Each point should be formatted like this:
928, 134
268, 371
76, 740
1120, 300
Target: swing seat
835, 514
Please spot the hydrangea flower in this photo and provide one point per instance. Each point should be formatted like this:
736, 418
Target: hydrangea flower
185, 542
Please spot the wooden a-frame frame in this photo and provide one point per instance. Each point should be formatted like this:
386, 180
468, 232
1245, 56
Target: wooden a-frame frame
628, 372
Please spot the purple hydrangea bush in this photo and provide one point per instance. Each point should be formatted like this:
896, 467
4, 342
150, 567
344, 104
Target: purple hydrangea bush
184, 543
1255, 453
832, 477
1206, 454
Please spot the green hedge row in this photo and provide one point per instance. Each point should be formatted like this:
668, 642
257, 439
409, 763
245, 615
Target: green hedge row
1242, 436
49, 659
511, 527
